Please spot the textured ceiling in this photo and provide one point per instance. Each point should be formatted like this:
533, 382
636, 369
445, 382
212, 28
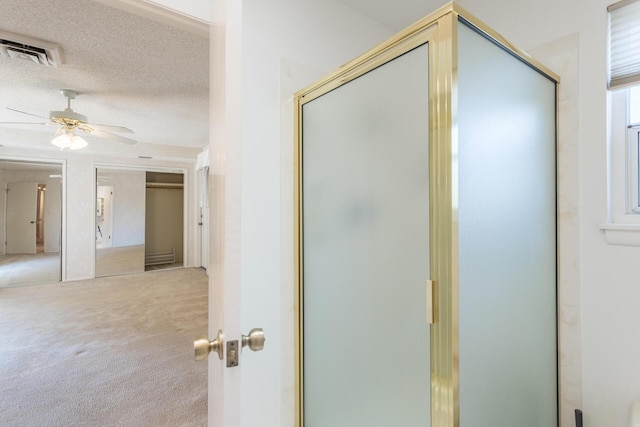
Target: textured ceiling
130, 71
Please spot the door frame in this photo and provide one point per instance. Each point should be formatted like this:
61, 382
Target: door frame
202, 213
225, 404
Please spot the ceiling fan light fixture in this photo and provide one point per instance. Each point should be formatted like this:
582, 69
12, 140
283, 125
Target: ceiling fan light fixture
65, 138
77, 143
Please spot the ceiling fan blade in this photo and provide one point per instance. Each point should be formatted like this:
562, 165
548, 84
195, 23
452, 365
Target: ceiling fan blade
110, 128
25, 123
111, 136
30, 114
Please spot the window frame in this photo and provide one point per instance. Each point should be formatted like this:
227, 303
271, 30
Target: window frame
624, 162
632, 138
623, 150
623, 219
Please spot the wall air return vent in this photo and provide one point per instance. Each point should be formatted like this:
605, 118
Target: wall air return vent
16, 46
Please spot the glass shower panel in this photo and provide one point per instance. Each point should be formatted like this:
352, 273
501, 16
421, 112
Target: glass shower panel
507, 238
366, 249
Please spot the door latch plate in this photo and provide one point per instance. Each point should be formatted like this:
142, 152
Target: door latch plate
232, 354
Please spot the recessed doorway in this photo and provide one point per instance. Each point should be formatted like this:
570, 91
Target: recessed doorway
140, 220
30, 222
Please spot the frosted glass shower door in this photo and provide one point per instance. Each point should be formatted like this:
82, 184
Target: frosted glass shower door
365, 243
507, 238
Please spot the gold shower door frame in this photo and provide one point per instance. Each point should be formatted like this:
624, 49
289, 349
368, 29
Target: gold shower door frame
440, 31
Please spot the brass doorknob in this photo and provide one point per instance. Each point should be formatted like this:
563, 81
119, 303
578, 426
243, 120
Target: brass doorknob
255, 339
202, 346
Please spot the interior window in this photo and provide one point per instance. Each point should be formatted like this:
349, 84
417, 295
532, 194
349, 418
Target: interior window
634, 106
623, 109
633, 150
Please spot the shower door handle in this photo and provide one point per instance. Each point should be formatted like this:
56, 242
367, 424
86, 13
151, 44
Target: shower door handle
430, 303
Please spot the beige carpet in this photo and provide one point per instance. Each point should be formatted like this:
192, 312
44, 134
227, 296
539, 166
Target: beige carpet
119, 260
17, 270
115, 351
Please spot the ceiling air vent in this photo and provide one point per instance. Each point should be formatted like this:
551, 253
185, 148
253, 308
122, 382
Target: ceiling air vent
25, 48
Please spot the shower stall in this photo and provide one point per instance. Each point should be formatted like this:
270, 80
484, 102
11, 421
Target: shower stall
426, 234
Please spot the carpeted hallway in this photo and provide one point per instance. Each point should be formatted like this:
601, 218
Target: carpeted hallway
113, 351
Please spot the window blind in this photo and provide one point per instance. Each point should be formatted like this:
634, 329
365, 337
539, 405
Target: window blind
624, 43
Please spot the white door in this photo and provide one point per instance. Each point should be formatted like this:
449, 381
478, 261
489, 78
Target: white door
225, 212
21, 217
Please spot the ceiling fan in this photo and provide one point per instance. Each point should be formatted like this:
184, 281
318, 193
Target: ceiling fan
68, 121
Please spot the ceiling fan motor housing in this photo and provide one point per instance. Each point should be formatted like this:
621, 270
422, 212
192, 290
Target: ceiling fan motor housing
68, 116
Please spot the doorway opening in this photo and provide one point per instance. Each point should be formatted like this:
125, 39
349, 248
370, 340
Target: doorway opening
31, 210
140, 219
164, 219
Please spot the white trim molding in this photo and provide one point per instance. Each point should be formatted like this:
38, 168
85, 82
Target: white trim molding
621, 234
161, 14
